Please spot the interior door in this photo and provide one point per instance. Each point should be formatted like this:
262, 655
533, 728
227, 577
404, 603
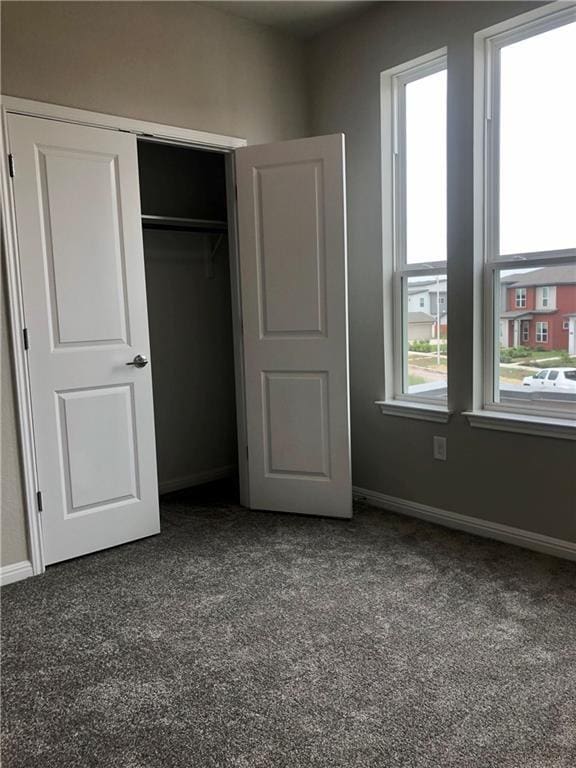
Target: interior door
292, 247
80, 243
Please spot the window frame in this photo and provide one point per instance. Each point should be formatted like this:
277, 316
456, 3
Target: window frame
396, 270
520, 298
489, 261
542, 330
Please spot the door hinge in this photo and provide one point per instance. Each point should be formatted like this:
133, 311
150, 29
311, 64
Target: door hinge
39, 501
11, 165
25, 334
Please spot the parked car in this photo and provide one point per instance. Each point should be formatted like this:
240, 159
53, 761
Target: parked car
550, 379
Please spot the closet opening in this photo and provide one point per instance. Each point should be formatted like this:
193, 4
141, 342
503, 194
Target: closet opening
189, 295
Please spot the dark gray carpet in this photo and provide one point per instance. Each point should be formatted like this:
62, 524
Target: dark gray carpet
253, 640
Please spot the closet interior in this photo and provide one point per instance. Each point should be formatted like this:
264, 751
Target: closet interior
184, 220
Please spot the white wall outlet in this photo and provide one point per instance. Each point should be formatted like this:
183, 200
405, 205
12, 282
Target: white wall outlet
440, 449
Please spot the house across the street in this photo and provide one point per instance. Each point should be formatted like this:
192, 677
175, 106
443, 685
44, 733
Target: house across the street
420, 326
539, 309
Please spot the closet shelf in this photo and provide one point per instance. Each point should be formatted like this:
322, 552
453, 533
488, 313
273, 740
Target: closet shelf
189, 225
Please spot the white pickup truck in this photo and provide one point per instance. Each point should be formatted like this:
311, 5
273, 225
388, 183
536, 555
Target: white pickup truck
552, 379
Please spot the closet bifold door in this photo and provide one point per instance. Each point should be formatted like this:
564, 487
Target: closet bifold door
82, 266
292, 251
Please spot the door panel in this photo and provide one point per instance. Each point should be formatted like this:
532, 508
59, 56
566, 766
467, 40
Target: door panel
292, 239
290, 244
98, 439
82, 264
83, 243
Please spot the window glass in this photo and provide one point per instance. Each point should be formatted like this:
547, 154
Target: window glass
537, 145
426, 169
425, 334
530, 349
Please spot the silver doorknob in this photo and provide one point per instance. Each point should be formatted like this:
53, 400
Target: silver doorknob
139, 361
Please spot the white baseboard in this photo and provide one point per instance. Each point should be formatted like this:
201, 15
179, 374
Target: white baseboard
15, 572
198, 478
527, 539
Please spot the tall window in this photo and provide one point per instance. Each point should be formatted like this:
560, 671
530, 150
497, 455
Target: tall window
415, 118
529, 209
542, 332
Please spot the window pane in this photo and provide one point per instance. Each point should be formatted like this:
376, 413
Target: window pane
426, 169
536, 344
425, 334
537, 143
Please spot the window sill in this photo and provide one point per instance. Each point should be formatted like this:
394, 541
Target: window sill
411, 410
523, 423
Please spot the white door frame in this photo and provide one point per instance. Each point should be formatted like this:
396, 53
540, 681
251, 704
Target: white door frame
170, 134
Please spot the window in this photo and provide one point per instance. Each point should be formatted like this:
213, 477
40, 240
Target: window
542, 333
414, 203
526, 201
553, 375
565, 325
546, 296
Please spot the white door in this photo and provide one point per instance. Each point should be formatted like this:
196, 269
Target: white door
292, 241
80, 243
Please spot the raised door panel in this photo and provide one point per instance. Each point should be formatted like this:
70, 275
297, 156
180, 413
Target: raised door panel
98, 447
290, 244
296, 417
83, 246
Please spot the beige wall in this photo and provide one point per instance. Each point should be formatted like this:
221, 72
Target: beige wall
175, 63
518, 480
12, 525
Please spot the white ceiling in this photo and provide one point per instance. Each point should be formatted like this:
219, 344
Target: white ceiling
301, 19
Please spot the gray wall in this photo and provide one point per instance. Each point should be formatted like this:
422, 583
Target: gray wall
12, 523
192, 353
522, 481
175, 63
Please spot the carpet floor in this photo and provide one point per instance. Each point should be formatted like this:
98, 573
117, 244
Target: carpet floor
240, 639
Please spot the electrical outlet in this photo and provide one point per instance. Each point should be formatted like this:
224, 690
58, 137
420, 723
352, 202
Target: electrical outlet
440, 450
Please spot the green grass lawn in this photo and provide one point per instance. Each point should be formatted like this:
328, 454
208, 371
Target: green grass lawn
509, 374
413, 380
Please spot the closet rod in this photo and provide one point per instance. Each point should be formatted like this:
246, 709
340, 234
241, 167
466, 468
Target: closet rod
190, 225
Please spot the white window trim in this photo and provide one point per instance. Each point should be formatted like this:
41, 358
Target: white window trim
520, 298
527, 425
395, 269
542, 329
487, 259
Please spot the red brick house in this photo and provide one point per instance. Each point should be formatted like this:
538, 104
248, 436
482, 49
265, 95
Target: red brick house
539, 309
